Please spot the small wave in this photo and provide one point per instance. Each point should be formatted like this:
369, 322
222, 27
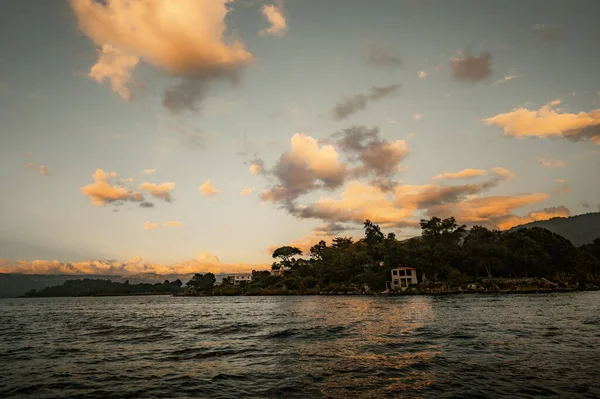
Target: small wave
230, 377
287, 333
229, 329
205, 353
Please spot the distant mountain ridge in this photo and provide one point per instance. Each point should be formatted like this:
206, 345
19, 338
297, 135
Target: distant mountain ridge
579, 229
17, 284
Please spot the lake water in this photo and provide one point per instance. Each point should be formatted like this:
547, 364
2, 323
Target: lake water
483, 346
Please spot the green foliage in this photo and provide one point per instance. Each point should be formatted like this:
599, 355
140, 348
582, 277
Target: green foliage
286, 254
202, 282
445, 252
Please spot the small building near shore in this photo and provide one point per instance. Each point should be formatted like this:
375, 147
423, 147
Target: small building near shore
241, 278
403, 277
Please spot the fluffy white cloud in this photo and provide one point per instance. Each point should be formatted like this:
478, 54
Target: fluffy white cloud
148, 171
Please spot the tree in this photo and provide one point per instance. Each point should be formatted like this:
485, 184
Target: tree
484, 251
374, 240
202, 282
316, 251
286, 253
441, 251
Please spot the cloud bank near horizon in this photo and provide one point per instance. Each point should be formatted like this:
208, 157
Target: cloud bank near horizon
203, 263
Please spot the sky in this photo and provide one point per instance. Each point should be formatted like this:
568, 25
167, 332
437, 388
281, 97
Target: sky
197, 135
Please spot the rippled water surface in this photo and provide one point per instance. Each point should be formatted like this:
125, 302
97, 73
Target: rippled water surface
339, 347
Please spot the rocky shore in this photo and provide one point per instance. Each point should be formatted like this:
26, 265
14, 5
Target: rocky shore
485, 286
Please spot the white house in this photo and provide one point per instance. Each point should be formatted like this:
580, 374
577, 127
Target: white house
241, 278
403, 277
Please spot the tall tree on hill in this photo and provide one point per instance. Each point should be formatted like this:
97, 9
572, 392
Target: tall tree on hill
374, 239
484, 251
286, 254
441, 251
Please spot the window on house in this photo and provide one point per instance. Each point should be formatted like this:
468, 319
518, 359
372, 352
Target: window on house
409, 272
403, 283
395, 272
395, 282
402, 272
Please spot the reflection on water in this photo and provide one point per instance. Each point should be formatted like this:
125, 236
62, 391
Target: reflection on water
486, 346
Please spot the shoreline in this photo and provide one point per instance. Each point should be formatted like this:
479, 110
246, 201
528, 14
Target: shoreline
348, 293
397, 294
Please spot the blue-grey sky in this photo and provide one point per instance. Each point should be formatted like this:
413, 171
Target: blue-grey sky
342, 109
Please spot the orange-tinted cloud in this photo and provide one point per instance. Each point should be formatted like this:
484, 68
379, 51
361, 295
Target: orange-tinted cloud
275, 16
203, 263
42, 170
463, 174
358, 202
497, 211
161, 191
102, 191
544, 214
116, 66
300, 169
256, 168
208, 189
184, 37
549, 121
151, 226
503, 173
247, 191
326, 232
401, 206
